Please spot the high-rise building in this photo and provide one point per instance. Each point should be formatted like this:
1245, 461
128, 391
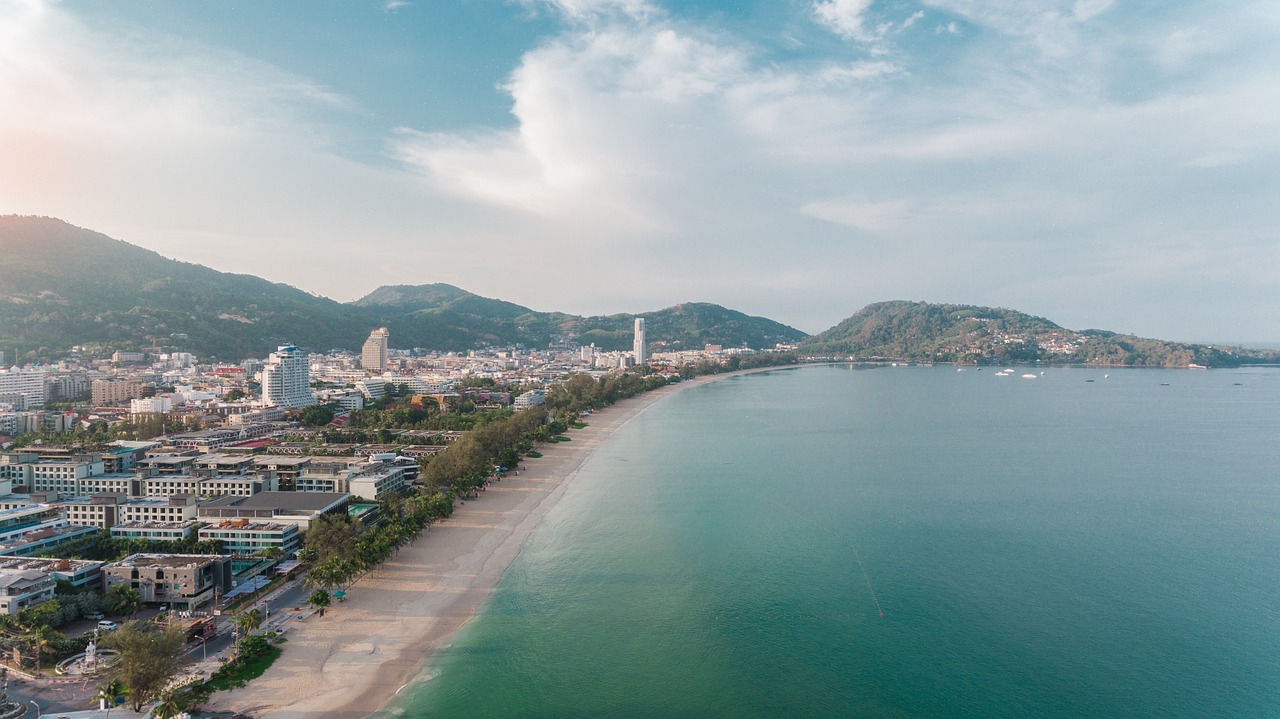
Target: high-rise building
25, 385
286, 378
638, 348
374, 355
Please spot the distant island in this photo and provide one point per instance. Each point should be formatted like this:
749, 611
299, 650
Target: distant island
63, 286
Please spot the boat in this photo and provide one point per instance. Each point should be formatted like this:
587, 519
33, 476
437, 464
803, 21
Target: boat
1029, 375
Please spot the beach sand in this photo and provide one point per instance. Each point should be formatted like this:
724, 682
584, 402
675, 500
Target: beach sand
350, 662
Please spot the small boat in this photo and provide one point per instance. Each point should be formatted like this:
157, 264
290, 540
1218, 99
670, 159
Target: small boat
1028, 375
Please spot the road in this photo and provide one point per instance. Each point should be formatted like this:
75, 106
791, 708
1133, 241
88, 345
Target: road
282, 606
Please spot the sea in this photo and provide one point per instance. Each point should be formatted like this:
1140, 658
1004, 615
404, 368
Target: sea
845, 541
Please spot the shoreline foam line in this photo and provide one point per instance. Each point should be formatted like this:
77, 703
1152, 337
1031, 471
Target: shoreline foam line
351, 662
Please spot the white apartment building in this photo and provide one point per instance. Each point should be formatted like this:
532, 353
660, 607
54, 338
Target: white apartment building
532, 398
151, 405
638, 347
242, 536
27, 384
286, 379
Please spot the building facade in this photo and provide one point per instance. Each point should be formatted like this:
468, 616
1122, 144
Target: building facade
638, 347
27, 384
373, 356
286, 379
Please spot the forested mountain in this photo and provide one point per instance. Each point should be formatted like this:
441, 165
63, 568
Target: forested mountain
62, 286
920, 331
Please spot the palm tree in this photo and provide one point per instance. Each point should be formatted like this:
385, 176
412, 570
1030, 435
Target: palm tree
38, 639
246, 621
110, 694
124, 600
169, 706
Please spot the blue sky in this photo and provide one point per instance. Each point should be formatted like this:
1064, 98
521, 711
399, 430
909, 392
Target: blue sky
1102, 163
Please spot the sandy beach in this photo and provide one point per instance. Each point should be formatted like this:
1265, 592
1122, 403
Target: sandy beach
350, 662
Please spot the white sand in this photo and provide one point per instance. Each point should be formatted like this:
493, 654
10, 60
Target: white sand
355, 658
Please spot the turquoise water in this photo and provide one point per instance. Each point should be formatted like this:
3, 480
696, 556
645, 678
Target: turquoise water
1038, 548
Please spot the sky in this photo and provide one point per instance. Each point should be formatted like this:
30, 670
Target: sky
1102, 163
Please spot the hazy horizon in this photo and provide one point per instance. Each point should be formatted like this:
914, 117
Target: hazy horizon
1104, 165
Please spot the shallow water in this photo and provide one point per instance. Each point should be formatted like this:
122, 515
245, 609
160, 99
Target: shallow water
1049, 547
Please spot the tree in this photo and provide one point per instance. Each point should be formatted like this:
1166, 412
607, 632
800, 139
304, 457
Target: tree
39, 639
246, 621
110, 694
233, 395
170, 705
123, 599
329, 537
319, 599
149, 658
317, 415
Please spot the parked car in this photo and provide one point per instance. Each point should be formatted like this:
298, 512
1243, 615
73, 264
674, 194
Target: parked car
107, 626
95, 616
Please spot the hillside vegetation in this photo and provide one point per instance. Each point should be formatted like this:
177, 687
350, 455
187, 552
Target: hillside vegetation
919, 331
62, 286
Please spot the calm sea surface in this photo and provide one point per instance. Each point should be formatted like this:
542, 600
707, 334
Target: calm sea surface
1038, 548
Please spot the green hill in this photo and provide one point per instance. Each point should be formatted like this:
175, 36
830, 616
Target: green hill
62, 286
924, 332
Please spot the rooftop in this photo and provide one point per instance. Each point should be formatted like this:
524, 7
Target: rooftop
168, 560
296, 501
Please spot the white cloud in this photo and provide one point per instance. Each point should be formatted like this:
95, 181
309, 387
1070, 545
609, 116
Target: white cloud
995, 165
846, 18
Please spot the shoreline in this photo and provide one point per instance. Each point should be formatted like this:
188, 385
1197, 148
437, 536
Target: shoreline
350, 663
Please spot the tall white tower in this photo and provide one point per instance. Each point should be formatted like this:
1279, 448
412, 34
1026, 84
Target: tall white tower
286, 378
637, 347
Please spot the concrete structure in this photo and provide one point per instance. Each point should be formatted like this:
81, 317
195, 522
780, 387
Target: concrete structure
156, 531
151, 405
44, 540
243, 536
79, 572
638, 347
532, 398
373, 357
20, 589
109, 391
299, 508
183, 581
27, 384
286, 379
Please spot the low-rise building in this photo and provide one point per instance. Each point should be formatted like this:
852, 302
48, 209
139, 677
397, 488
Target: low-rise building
80, 573
183, 581
243, 536
156, 531
299, 508
45, 539
20, 589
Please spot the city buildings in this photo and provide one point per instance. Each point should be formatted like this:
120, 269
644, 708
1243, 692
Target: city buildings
638, 346
286, 378
373, 357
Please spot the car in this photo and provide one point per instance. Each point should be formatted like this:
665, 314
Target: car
95, 616
107, 626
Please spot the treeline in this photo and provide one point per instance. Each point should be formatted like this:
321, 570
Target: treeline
339, 550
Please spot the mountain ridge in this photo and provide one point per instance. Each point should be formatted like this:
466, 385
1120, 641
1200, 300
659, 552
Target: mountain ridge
62, 285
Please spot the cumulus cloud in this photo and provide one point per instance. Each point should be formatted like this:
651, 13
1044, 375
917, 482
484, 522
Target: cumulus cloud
1018, 164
